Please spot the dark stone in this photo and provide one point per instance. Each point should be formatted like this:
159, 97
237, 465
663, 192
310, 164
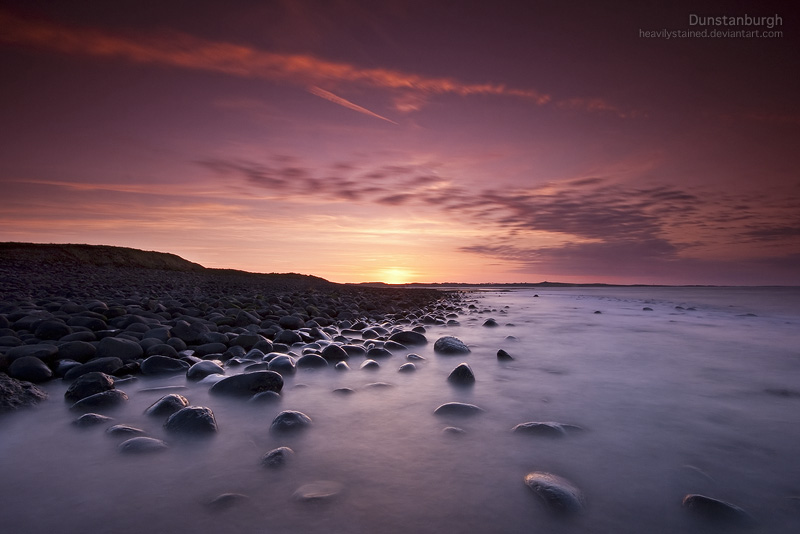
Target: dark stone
712, 509
503, 356
311, 361
91, 419
158, 365
354, 350
80, 351
334, 353
277, 457
290, 421
557, 493
202, 369
491, 323
161, 349
194, 420
63, 367
450, 345
104, 365
341, 366
106, 399
283, 364
292, 322
116, 347
18, 394
266, 397
409, 338
210, 348
370, 365
457, 408
407, 367
378, 352
167, 405
124, 430
52, 329
142, 445
45, 352
289, 337
393, 346
462, 375
88, 385
30, 369
248, 384
546, 428
191, 333
226, 500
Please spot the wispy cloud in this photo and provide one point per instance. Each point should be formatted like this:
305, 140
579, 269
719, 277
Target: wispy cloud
175, 49
327, 95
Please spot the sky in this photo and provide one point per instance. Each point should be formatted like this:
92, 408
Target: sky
410, 141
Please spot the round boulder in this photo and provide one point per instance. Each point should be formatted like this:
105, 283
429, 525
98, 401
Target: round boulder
248, 384
87, 385
167, 405
457, 408
202, 369
558, 494
31, 369
160, 365
409, 338
716, 510
290, 421
462, 375
277, 457
107, 399
142, 445
334, 353
124, 349
192, 420
450, 345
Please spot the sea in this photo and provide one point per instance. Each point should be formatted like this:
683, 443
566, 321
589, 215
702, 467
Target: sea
676, 390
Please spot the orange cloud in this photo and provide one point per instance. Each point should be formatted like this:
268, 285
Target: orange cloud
186, 51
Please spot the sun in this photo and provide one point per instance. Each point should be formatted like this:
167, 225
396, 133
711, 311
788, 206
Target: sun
395, 275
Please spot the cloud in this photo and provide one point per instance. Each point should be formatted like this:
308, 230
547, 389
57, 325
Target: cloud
410, 91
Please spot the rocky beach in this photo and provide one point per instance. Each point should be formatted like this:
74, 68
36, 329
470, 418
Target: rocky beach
142, 391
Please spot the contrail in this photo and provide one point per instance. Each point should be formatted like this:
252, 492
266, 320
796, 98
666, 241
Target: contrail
327, 95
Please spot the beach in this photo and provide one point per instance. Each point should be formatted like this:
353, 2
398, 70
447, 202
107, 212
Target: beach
648, 394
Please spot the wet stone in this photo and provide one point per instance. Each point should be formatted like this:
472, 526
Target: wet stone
91, 419
87, 385
450, 345
142, 445
458, 408
462, 375
277, 457
192, 420
105, 400
290, 421
558, 494
167, 405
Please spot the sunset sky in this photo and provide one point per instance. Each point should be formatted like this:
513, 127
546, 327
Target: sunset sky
408, 141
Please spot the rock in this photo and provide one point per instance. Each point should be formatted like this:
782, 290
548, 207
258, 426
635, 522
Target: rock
450, 345
311, 361
503, 356
319, 490
30, 369
491, 323
341, 366
334, 353
192, 420
160, 365
266, 397
167, 405
393, 346
283, 364
108, 366
712, 509
354, 350
115, 347
248, 384
201, 351
557, 493
407, 368
457, 408
123, 430
344, 391
290, 421
462, 375
414, 357
16, 394
80, 351
292, 322
289, 337
191, 333
91, 419
409, 338
378, 352
142, 445
547, 428
202, 369
277, 457
370, 365
87, 385
44, 351
161, 349
50, 329
452, 430
107, 399
227, 500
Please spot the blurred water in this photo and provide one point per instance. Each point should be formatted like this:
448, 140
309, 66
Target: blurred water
673, 401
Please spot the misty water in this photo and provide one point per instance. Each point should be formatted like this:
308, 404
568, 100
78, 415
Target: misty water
700, 394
